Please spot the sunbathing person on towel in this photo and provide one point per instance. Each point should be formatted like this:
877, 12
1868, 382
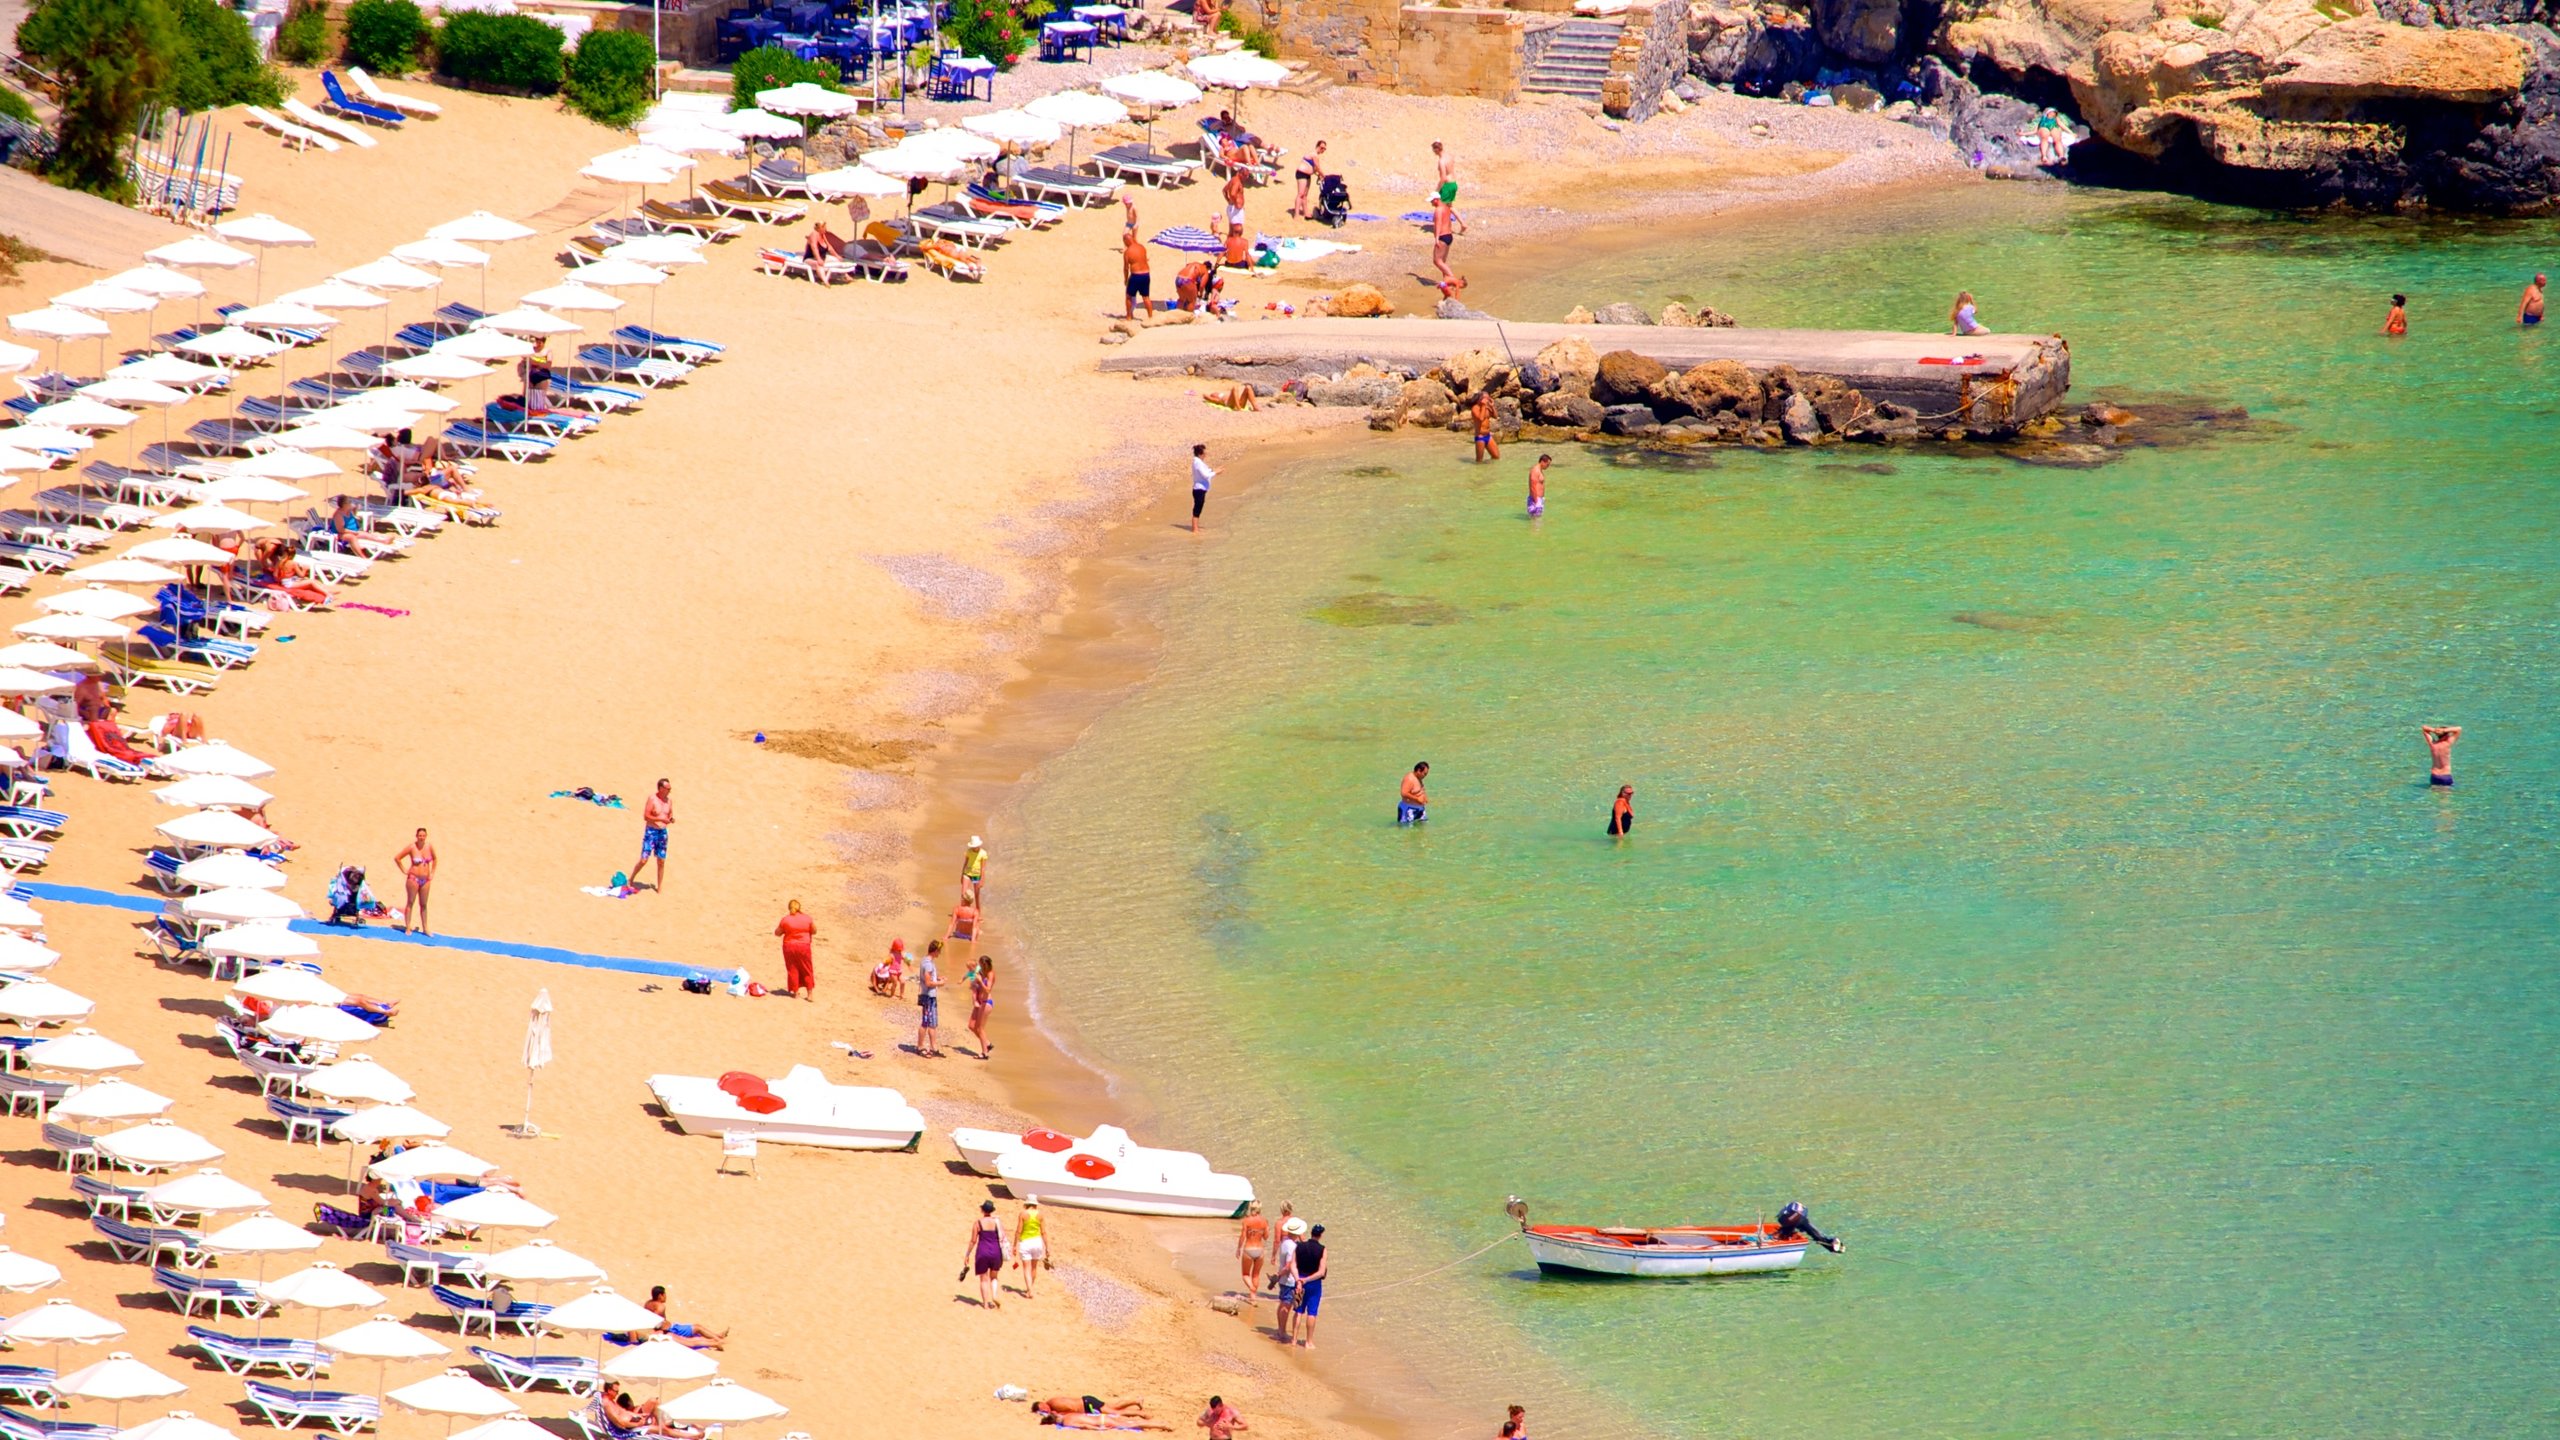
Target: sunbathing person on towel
1088, 1405
824, 245
643, 1417
108, 737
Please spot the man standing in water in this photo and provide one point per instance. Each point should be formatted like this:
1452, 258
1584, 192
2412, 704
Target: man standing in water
1538, 486
2440, 740
1312, 1268
1413, 802
2529, 310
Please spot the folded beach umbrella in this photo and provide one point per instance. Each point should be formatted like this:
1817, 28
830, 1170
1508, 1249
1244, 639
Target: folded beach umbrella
218, 757
291, 985
454, 1393
97, 604
111, 1099
82, 1052
322, 1025
123, 571
240, 905
41, 1002
722, 1402
1190, 238
263, 942
102, 299
159, 1145
395, 1122
525, 320
82, 413
206, 1192
71, 629
219, 830
17, 914
157, 281
198, 791
1016, 127
428, 1162
25, 956
496, 1210
360, 1079
176, 1425
22, 1273
232, 343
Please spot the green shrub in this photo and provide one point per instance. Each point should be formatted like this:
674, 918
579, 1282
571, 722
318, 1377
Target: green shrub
988, 29
217, 62
770, 67
16, 107
1263, 43
608, 79
386, 37
113, 57
303, 38
1230, 23
506, 52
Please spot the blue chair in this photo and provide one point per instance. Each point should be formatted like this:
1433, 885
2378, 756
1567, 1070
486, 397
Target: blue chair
340, 1410
189, 1291
524, 1317
576, 1374
345, 104
241, 1354
17, 1425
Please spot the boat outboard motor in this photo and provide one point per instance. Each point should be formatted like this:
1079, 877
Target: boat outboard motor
1793, 1222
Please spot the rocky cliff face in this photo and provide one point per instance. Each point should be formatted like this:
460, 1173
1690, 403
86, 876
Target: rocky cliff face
2375, 103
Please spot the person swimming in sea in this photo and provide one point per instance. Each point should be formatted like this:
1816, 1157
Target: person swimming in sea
2440, 740
1622, 813
1538, 486
1794, 1224
2397, 322
2529, 309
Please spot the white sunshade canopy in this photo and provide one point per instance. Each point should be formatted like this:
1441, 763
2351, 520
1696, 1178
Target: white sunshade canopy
163, 368
14, 726
695, 140
25, 956
71, 629
262, 229
1152, 88
662, 1359
119, 1377
1016, 127
203, 790
320, 437
383, 1337
44, 437
105, 299
454, 1393
601, 1310
511, 1427
229, 490
335, 294
436, 365
44, 655
159, 1143
199, 252
285, 465
443, 254
98, 604
569, 295
290, 985
526, 320
240, 905
615, 273
265, 942
365, 415
362, 1079
965, 145
1237, 70
319, 1024
176, 1425
81, 413
539, 1262
17, 914
261, 1235
216, 827
754, 124
232, 343
480, 228
156, 280
287, 313
805, 98
483, 345
853, 180
231, 870
628, 172
390, 274
659, 250
217, 758
407, 396
14, 459
57, 323
498, 1210
119, 389
431, 1162
394, 1122
111, 1100
722, 1402
22, 1273
82, 1052
59, 1322
321, 1286
908, 162
1078, 109
14, 358
124, 571
41, 1002
206, 1192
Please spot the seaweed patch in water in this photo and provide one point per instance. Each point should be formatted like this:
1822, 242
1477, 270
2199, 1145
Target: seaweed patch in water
1373, 472
1376, 607
1871, 467
2002, 620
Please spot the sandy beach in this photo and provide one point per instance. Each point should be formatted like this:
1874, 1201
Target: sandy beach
795, 585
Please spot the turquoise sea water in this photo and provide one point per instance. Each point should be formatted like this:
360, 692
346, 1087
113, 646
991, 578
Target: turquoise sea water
2034, 872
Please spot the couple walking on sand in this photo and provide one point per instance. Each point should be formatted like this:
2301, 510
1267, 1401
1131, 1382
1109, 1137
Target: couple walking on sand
986, 1257
1294, 1257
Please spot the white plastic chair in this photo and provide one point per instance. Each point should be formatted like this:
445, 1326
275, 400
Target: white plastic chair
737, 1145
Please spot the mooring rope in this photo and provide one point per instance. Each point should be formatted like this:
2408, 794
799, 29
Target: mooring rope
1434, 1270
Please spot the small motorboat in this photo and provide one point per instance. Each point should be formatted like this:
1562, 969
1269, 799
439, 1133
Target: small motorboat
1104, 1171
801, 1108
1658, 1252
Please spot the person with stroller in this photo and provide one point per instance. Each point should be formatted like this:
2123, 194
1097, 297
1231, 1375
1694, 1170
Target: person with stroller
1311, 176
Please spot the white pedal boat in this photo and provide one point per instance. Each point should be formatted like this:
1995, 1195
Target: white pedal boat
814, 1111
1105, 1171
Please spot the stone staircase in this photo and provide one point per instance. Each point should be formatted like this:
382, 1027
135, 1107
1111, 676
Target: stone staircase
1574, 59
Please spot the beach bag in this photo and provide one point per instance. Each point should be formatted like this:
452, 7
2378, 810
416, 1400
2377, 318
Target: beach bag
697, 983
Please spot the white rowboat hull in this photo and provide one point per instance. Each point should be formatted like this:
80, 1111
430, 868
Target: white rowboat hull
1560, 1253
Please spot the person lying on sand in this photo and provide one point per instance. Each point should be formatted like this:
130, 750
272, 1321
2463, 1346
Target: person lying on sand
1088, 1405
1098, 1422
684, 1333
1239, 398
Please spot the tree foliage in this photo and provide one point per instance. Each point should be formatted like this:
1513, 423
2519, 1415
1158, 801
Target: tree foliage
989, 29
113, 58
608, 76
770, 67
217, 61
386, 37
508, 52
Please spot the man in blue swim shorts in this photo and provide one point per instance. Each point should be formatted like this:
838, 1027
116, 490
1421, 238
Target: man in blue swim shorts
2440, 740
656, 814
1312, 1268
1413, 800
2529, 310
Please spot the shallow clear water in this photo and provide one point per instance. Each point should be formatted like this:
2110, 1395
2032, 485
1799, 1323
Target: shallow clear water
2034, 874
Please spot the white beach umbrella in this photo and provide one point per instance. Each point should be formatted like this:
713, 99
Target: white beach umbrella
407, 396
393, 1122
71, 629
1016, 127
573, 297
176, 1425
282, 314
123, 571
1152, 88
909, 163
261, 1235
58, 1323
230, 871
512, 1427
807, 99
117, 1379
537, 1054
482, 345
41, 1002
436, 365
323, 437
480, 228
431, 1162
368, 418
17, 914
696, 140
102, 299
755, 124
43, 655
12, 459
57, 323
217, 829
229, 490
455, 1393
290, 985
157, 281
22, 1273
198, 791
601, 1312
159, 1145
851, 181
217, 757
238, 906
1077, 110
111, 1100
25, 956
617, 273
443, 254
361, 1079
1238, 70
646, 156
44, 437
496, 1210
163, 368
81, 413
540, 1262
660, 250
334, 294
284, 465
206, 1192
14, 726
121, 389
525, 320
661, 1360
232, 343
14, 358
722, 1402
82, 1052
383, 1337
266, 232
263, 942
963, 145
209, 519
319, 1024
198, 252
389, 274
99, 604
320, 1287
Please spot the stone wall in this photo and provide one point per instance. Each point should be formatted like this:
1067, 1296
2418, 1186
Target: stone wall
1652, 52
1460, 52
1349, 41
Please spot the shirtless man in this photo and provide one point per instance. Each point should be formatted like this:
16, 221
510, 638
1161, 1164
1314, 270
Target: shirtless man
1234, 195
1446, 227
1538, 487
2529, 309
1482, 413
1135, 283
92, 699
2440, 740
1413, 802
656, 814
418, 868
1447, 164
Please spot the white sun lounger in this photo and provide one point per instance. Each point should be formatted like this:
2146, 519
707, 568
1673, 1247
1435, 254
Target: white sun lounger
380, 96
303, 137
317, 121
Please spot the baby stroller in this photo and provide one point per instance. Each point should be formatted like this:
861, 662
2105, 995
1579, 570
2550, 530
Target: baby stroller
1333, 201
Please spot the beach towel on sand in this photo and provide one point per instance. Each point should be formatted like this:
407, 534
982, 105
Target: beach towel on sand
588, 794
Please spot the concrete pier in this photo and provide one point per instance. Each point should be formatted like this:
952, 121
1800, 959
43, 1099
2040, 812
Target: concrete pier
2005, 380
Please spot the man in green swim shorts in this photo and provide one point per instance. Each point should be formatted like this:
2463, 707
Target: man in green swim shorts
1447, 164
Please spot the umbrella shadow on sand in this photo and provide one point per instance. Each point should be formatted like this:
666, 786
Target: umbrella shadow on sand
315, 1184
186, 1006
